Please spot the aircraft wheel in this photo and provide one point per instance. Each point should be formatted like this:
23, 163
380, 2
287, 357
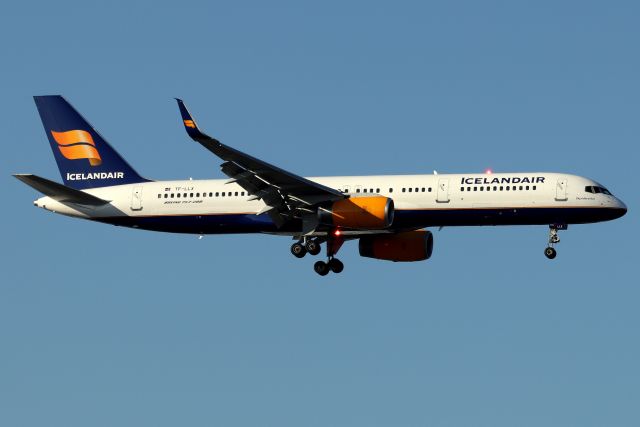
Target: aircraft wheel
298, 250
550, 252
321, 267
336, 265
313, 247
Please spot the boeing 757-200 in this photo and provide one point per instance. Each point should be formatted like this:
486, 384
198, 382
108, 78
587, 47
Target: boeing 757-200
387, 214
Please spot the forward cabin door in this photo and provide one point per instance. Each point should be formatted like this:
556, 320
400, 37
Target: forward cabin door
136, 198
443, 190
561, 189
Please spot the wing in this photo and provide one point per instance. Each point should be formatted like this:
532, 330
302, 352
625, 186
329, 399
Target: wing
287, 195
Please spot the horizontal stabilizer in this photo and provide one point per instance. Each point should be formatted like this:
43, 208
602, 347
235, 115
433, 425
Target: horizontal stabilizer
59, 192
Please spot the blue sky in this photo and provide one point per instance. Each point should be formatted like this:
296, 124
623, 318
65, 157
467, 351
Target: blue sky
105, 326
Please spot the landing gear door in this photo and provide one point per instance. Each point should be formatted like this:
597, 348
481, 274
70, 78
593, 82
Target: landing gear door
561, 189
443, 191
136, 198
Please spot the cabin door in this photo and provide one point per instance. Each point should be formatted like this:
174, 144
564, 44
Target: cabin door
561, 189
136, 198
443, 190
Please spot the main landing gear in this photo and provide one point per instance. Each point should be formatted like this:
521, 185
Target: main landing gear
312, 246
301, 248
550, 251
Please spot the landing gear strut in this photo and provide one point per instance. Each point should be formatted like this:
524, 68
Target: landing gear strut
334, 242
550, 251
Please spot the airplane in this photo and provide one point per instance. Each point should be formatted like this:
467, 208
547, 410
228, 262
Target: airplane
388, 214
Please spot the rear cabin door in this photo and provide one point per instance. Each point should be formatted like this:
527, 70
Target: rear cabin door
136, 198
443, 191
561, 189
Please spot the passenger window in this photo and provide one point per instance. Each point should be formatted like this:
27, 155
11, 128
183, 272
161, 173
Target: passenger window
481, 188
495, 188
417, 189
461, 188
501, 188
165, 195
475, 188
429, 189
211, 194
222, 194
410, 190
521, 188
197, 194
403, 190
184, 195
178, 195
357, 190
527, 187
172, 195
364, 191
191, 195
507, 189
159, 196
377, 190
534, 187
488, 188
236, 193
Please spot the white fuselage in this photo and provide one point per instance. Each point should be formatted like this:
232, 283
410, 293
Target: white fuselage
215, 206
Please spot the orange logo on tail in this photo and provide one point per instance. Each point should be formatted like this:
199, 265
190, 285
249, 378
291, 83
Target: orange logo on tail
189, 124
77, 144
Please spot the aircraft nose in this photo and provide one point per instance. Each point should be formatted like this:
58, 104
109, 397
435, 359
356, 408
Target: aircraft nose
621, 208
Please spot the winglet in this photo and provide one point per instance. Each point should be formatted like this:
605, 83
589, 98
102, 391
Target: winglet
190, 124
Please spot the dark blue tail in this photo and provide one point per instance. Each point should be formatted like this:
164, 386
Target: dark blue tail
84, 158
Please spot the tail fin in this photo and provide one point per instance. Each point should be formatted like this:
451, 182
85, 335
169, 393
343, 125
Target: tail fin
84, 158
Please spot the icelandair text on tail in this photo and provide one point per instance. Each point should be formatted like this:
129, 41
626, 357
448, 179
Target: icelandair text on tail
94, 175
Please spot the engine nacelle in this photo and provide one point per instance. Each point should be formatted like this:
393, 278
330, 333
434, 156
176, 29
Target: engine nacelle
363, 213
406, 247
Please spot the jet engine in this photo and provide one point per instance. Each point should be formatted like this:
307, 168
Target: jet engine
406, 246
363, 213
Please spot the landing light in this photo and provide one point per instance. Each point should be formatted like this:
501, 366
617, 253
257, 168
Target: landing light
488, 171
337, 233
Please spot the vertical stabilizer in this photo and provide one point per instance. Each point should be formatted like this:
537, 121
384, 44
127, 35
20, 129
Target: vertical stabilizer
84, 157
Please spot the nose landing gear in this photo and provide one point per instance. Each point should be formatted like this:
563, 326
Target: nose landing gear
550, 251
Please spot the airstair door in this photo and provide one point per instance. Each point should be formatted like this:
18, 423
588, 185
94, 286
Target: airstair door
443, 190
136, 198
561, 189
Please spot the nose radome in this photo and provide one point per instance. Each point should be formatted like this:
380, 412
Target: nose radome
622, 206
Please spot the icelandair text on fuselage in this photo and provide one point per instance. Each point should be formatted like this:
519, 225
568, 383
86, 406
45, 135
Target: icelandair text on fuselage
504, 180
94, 175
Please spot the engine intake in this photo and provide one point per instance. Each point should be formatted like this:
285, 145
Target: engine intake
405, 247
364, 213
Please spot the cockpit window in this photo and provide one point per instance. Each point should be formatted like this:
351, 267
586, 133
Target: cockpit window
597, 190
